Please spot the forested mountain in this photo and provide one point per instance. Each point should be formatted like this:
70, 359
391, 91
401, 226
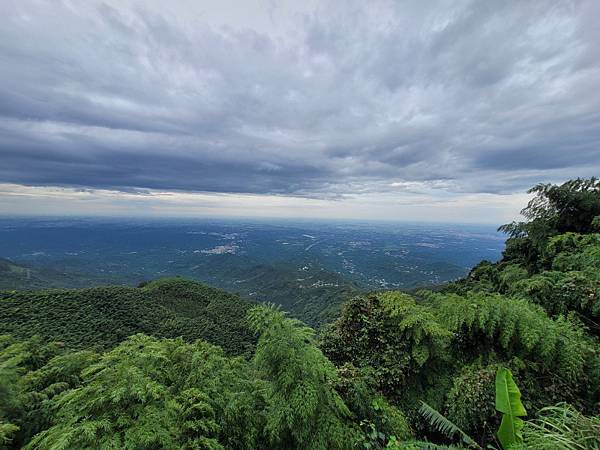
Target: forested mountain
17, 276
507, 358
100, 318
11, 274
309, 268
316, 297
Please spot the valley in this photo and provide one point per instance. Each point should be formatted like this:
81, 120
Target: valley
309, 268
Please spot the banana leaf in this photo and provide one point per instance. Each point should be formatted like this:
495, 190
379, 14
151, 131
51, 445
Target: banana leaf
508, 402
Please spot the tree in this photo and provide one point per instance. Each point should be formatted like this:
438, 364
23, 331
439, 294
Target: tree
304, 409
149, 393
573, 206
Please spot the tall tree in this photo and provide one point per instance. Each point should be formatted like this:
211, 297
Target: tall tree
304, 409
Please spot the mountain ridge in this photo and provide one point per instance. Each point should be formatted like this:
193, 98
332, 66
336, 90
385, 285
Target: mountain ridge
101, 317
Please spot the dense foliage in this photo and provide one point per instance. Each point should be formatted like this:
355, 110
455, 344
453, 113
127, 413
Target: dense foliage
507, 358
535, 311
102, 317
149, 393
553, 258
166, 393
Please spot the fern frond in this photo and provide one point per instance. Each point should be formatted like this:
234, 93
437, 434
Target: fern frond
445, 426
425, 445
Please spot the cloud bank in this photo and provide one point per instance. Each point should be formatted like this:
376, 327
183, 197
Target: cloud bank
331, 100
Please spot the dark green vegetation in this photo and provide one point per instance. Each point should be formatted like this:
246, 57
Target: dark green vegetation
11, 274
316, 297
101, 317
507, 358
153, 393
15, 276
552, 260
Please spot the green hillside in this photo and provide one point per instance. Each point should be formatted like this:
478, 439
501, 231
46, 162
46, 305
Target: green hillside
14, 276
9, 271
24, 277
102, 317
537, 312
316, 299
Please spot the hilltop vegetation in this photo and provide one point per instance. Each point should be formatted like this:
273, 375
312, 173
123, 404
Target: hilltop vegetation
11, 274
317, 298
535, 311
101, 317
15, 276
553, 259
507, 358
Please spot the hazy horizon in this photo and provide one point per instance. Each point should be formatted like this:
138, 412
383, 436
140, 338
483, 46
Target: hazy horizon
267, 220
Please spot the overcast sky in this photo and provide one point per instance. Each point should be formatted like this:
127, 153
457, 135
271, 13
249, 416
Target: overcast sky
414, 110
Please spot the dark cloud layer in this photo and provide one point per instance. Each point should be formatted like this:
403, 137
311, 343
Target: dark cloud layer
471, 96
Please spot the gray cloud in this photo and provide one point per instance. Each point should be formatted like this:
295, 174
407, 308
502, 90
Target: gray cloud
343, 98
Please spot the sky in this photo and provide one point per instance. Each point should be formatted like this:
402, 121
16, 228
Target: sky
399, 110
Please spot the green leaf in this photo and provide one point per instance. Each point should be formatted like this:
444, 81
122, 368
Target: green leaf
445, 426
508, 402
